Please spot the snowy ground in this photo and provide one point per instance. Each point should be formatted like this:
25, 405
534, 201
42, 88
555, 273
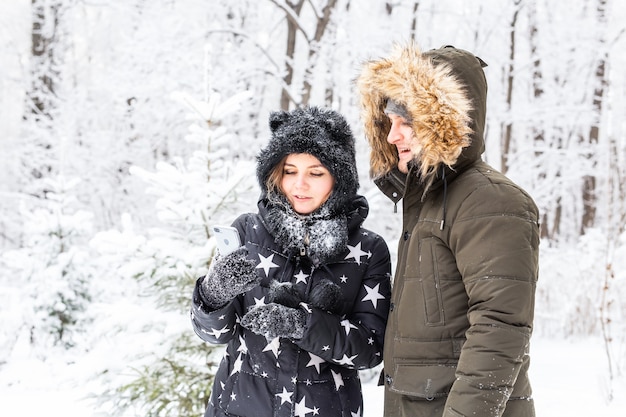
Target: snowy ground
569, 379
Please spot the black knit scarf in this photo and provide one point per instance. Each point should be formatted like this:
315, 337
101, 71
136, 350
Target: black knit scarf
318, 235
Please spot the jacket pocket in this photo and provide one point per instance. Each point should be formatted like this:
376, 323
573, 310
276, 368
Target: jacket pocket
430, 283
424, 381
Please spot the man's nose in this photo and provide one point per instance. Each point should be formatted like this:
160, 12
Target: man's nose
394, 134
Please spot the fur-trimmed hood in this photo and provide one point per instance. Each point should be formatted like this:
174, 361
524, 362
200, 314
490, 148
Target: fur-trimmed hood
444, 91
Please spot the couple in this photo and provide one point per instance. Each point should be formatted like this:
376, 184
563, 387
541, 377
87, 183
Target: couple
306, 302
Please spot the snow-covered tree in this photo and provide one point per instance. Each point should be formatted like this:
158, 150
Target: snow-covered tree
52, 271
209, 188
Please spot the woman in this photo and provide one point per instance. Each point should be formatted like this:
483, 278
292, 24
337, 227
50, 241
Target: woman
303, 304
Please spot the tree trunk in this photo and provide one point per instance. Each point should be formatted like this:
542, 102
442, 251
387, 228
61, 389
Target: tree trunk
549, 224
320, 29
416, 6
600, 84
508, 126
41, 98
292, 31
292, 13
44, 28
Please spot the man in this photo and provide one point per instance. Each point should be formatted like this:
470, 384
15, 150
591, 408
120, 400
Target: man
462, 309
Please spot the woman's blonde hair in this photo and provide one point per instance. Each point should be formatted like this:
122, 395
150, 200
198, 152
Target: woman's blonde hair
274, 179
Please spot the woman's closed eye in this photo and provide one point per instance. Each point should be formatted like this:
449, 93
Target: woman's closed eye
312, 173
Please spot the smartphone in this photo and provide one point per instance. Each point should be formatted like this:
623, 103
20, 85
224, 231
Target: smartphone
227, 239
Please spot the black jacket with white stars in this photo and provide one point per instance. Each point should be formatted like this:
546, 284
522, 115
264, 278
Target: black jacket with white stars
316, 375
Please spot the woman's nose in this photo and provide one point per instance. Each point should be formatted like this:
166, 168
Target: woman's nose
301, 181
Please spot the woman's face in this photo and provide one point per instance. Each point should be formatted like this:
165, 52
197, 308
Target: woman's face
306, 183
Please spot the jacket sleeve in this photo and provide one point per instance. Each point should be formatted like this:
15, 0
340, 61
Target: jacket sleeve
496, 249
214, 326
356, 340
217, 326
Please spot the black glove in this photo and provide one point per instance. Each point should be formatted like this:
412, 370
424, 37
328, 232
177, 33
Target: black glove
228, 277
327, 296
275, 320
284, 293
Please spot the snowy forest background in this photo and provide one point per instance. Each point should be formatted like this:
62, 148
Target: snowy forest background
130, 126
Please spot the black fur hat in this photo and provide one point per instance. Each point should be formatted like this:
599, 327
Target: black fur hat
320, 132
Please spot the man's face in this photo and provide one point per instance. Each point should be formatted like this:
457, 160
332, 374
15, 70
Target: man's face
401, 135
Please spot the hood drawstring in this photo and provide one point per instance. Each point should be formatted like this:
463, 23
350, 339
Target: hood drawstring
445, 195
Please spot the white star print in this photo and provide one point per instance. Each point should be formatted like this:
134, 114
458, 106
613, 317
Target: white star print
273, 346
347, 326
373, 295
315, 361
233, 397
338, 379
301, 410
237, 365
343, 279
326, 347
346, 360
217, 333
356, 253
243, 348
301, 277
222, 317
259, 301
285, 396
370, 340
266, 263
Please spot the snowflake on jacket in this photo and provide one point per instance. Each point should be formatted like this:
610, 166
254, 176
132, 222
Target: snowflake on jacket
301, 376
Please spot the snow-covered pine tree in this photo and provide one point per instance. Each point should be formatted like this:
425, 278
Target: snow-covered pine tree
50, 273
175, 376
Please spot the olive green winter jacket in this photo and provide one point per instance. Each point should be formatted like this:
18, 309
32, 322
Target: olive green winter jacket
464, 289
